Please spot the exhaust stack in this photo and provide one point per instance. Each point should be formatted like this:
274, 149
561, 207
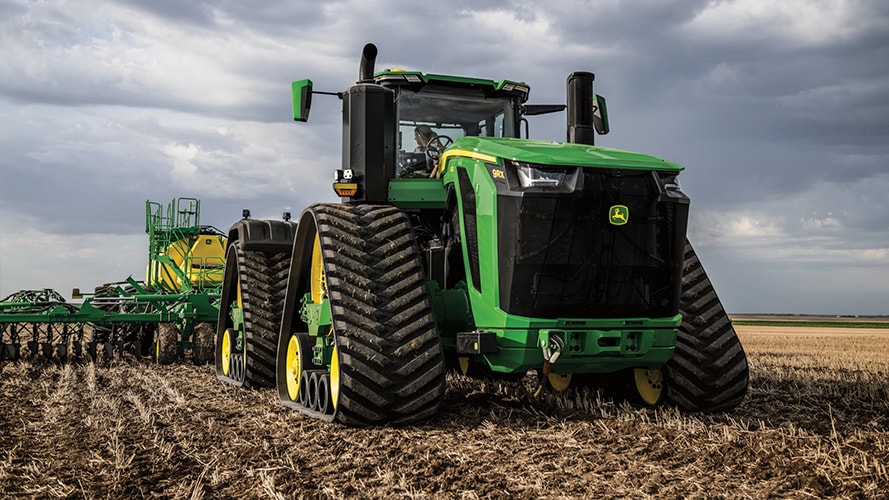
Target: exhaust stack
366, 69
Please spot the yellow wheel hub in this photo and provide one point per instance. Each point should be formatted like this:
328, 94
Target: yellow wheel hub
317, 278
318, 290
334, 377
226, 352
293, 370
649, 385
560, 381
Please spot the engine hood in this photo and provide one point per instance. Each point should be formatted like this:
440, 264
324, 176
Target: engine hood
560, 153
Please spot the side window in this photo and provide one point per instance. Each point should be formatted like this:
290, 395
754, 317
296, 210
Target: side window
491, 126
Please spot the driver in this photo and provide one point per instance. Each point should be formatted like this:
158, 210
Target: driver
423, 134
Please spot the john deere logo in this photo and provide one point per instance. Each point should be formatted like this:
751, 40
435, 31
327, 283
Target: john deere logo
618, 215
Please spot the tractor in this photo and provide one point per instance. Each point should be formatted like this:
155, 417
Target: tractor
459, 243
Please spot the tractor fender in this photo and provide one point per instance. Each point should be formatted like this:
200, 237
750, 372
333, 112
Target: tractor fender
263, 235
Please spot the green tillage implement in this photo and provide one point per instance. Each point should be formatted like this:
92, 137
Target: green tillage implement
170, 314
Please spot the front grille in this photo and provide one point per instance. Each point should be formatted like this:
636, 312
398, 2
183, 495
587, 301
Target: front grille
561, 257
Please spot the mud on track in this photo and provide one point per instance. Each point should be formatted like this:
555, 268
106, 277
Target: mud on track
132, 430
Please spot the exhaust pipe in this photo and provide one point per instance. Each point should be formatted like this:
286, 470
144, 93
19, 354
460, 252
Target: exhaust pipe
581, 129
366, 69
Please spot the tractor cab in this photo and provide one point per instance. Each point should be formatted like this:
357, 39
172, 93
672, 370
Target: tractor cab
397, 125
435, 111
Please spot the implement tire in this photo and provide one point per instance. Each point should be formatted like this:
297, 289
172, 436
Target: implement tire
202, 343
708, 371
166, 344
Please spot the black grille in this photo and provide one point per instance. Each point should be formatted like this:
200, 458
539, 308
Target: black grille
561, 257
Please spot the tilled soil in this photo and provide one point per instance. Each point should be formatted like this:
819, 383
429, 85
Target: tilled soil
132, 429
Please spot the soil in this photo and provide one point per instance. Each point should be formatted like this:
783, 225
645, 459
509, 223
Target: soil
133, 429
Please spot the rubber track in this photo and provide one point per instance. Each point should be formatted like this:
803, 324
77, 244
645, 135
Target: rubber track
263, 285
708, 370
391, 362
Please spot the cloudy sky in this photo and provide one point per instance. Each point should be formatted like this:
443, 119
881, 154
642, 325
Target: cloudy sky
778, 110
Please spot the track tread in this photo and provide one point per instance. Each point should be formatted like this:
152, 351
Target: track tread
708, 370
391, 362
263, 283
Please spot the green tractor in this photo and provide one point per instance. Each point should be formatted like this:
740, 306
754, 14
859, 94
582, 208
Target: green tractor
460, 244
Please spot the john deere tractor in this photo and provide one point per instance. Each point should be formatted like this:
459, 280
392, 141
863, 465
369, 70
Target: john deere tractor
459, 243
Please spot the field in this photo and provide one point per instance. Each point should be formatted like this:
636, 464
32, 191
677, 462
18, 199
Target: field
815, 423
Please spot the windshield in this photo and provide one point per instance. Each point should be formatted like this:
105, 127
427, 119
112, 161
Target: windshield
452, 115
431, 120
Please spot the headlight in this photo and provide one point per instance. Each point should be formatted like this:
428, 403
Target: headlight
669, 187
538, 176
671, 183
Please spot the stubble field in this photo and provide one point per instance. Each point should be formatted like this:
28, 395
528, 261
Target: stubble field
815, 423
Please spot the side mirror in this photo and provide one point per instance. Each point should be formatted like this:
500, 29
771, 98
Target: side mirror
600, 115
302, 100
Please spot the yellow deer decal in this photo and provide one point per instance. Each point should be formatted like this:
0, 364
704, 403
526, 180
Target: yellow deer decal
619, 215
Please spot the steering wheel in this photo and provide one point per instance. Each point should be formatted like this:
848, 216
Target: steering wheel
434, 147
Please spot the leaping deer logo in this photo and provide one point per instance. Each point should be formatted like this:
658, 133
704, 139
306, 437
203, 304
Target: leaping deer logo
618, 215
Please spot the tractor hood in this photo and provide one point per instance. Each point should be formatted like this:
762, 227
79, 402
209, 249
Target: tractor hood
560, 153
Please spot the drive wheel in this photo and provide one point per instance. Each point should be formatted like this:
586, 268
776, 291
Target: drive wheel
299, 349
250, 312
386, 363
708, 370
646, 387
202, 344
166, 344
225, 353
640, 387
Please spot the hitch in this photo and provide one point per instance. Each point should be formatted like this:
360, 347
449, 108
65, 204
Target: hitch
552, 346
